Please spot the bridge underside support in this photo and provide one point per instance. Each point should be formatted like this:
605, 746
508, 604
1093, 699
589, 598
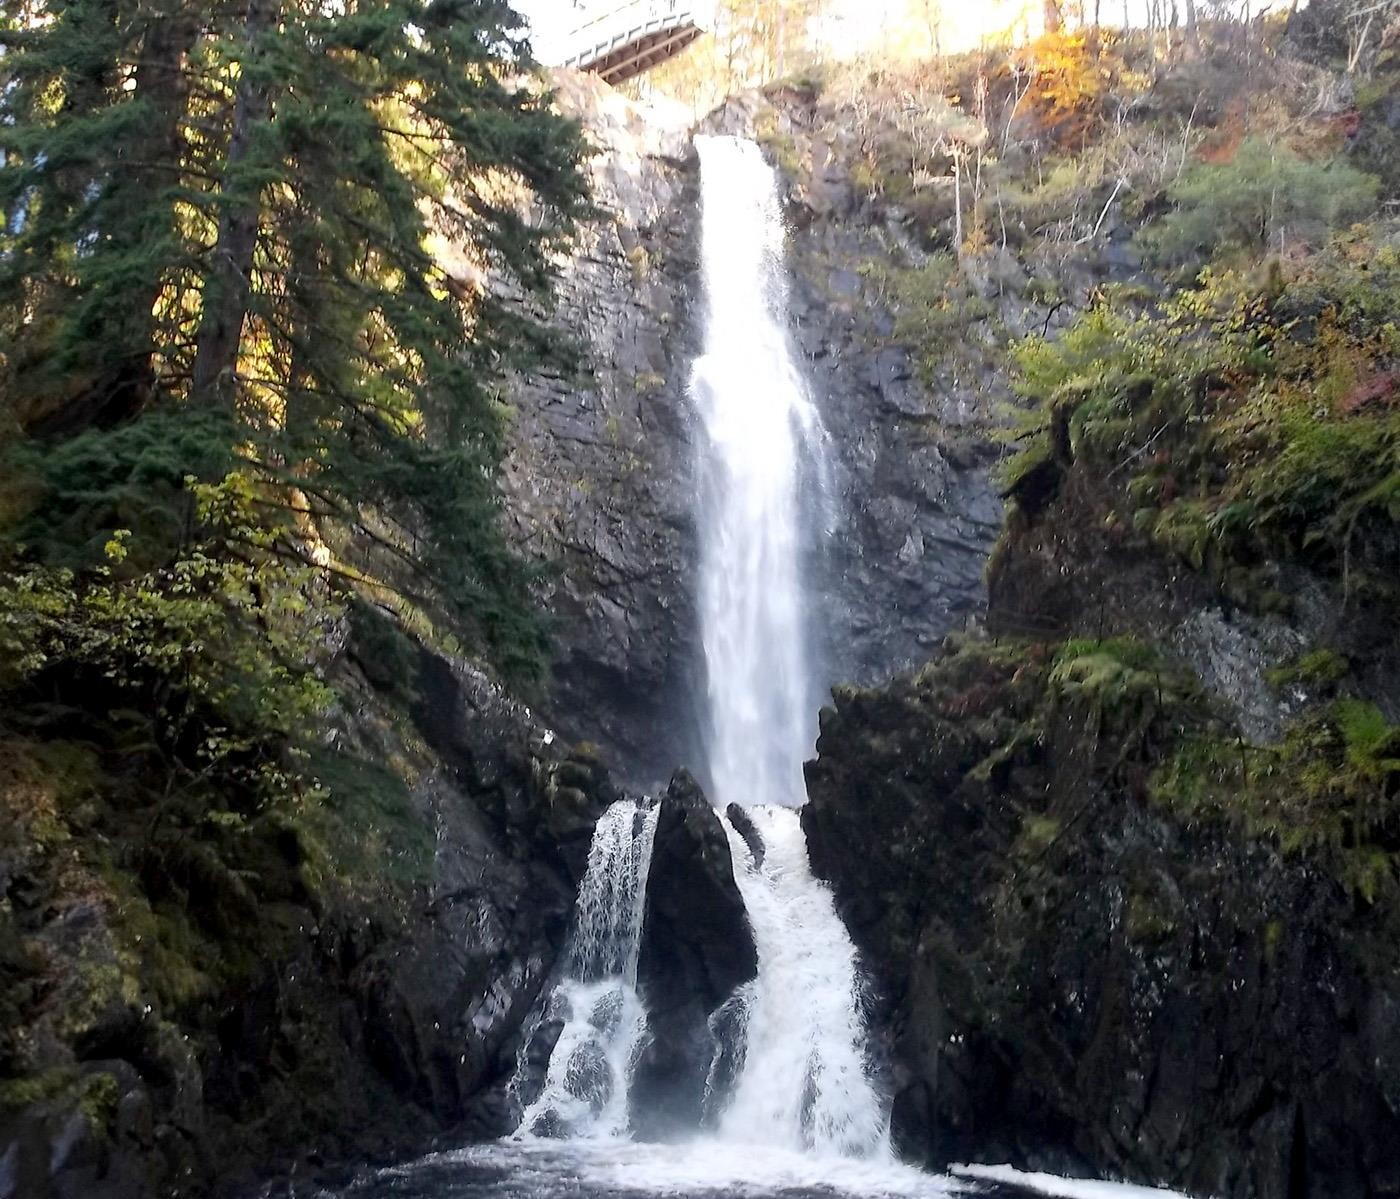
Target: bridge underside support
618, 63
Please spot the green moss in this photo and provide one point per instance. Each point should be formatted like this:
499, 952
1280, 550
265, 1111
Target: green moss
1147, 919
105, 985
1038, 833
388, 656
19, 1094
1014, 471
1329, 790
866, 178
367, 831
1319, 669
161, 948
778, 142
1121, 680
98, 1100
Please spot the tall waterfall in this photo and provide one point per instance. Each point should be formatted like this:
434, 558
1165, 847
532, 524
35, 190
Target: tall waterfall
791, 1072
805, 1081
763, 444
600, 1015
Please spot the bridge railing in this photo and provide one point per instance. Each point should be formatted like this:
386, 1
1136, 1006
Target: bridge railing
599, 27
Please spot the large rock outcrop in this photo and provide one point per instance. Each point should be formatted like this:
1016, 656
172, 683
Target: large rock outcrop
697, 951
1076, 976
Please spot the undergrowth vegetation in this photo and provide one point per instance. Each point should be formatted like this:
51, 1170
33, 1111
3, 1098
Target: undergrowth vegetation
1329, 790
1120, 713
1249, 420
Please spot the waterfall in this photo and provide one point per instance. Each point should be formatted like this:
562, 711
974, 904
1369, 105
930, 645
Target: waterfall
805, 1082
595, 1006
763, 442
791, 1071
805, 1079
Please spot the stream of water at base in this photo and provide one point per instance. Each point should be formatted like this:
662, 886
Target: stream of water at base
617, 1169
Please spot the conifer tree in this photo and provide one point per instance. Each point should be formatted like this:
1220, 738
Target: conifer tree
216, 252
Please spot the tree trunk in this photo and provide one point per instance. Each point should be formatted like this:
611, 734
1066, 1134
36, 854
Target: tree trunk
1054, 18
227, 283
120, 387
163, 83
1193, 31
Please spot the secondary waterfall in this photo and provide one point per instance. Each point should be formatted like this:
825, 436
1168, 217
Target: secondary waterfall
600, 1016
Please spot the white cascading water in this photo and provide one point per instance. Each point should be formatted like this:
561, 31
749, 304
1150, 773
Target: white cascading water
763, 442
805, 1080
604, 1020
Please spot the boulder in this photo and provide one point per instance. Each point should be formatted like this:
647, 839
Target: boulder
697, 949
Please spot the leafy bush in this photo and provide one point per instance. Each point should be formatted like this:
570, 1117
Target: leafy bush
933, 308
206, 658
1255, 417
1263, 196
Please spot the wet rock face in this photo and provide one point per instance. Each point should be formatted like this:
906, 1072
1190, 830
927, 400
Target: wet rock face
916, 512
600, 480
598, 477
1069, 977
696, 950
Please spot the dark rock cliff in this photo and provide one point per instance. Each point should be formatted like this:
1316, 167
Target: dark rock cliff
1126, 884
598, 482
1076, 978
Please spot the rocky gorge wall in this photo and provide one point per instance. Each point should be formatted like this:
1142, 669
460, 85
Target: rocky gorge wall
1127, 883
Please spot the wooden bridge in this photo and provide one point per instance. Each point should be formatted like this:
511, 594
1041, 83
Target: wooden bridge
619, 39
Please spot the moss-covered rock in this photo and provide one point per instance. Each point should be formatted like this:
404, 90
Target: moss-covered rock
1095, 946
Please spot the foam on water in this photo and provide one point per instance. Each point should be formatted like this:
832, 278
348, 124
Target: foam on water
538, 1169
1062, 1188
806, 1080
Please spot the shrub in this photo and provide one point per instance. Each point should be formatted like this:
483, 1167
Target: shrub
1328, 790
1261, 197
